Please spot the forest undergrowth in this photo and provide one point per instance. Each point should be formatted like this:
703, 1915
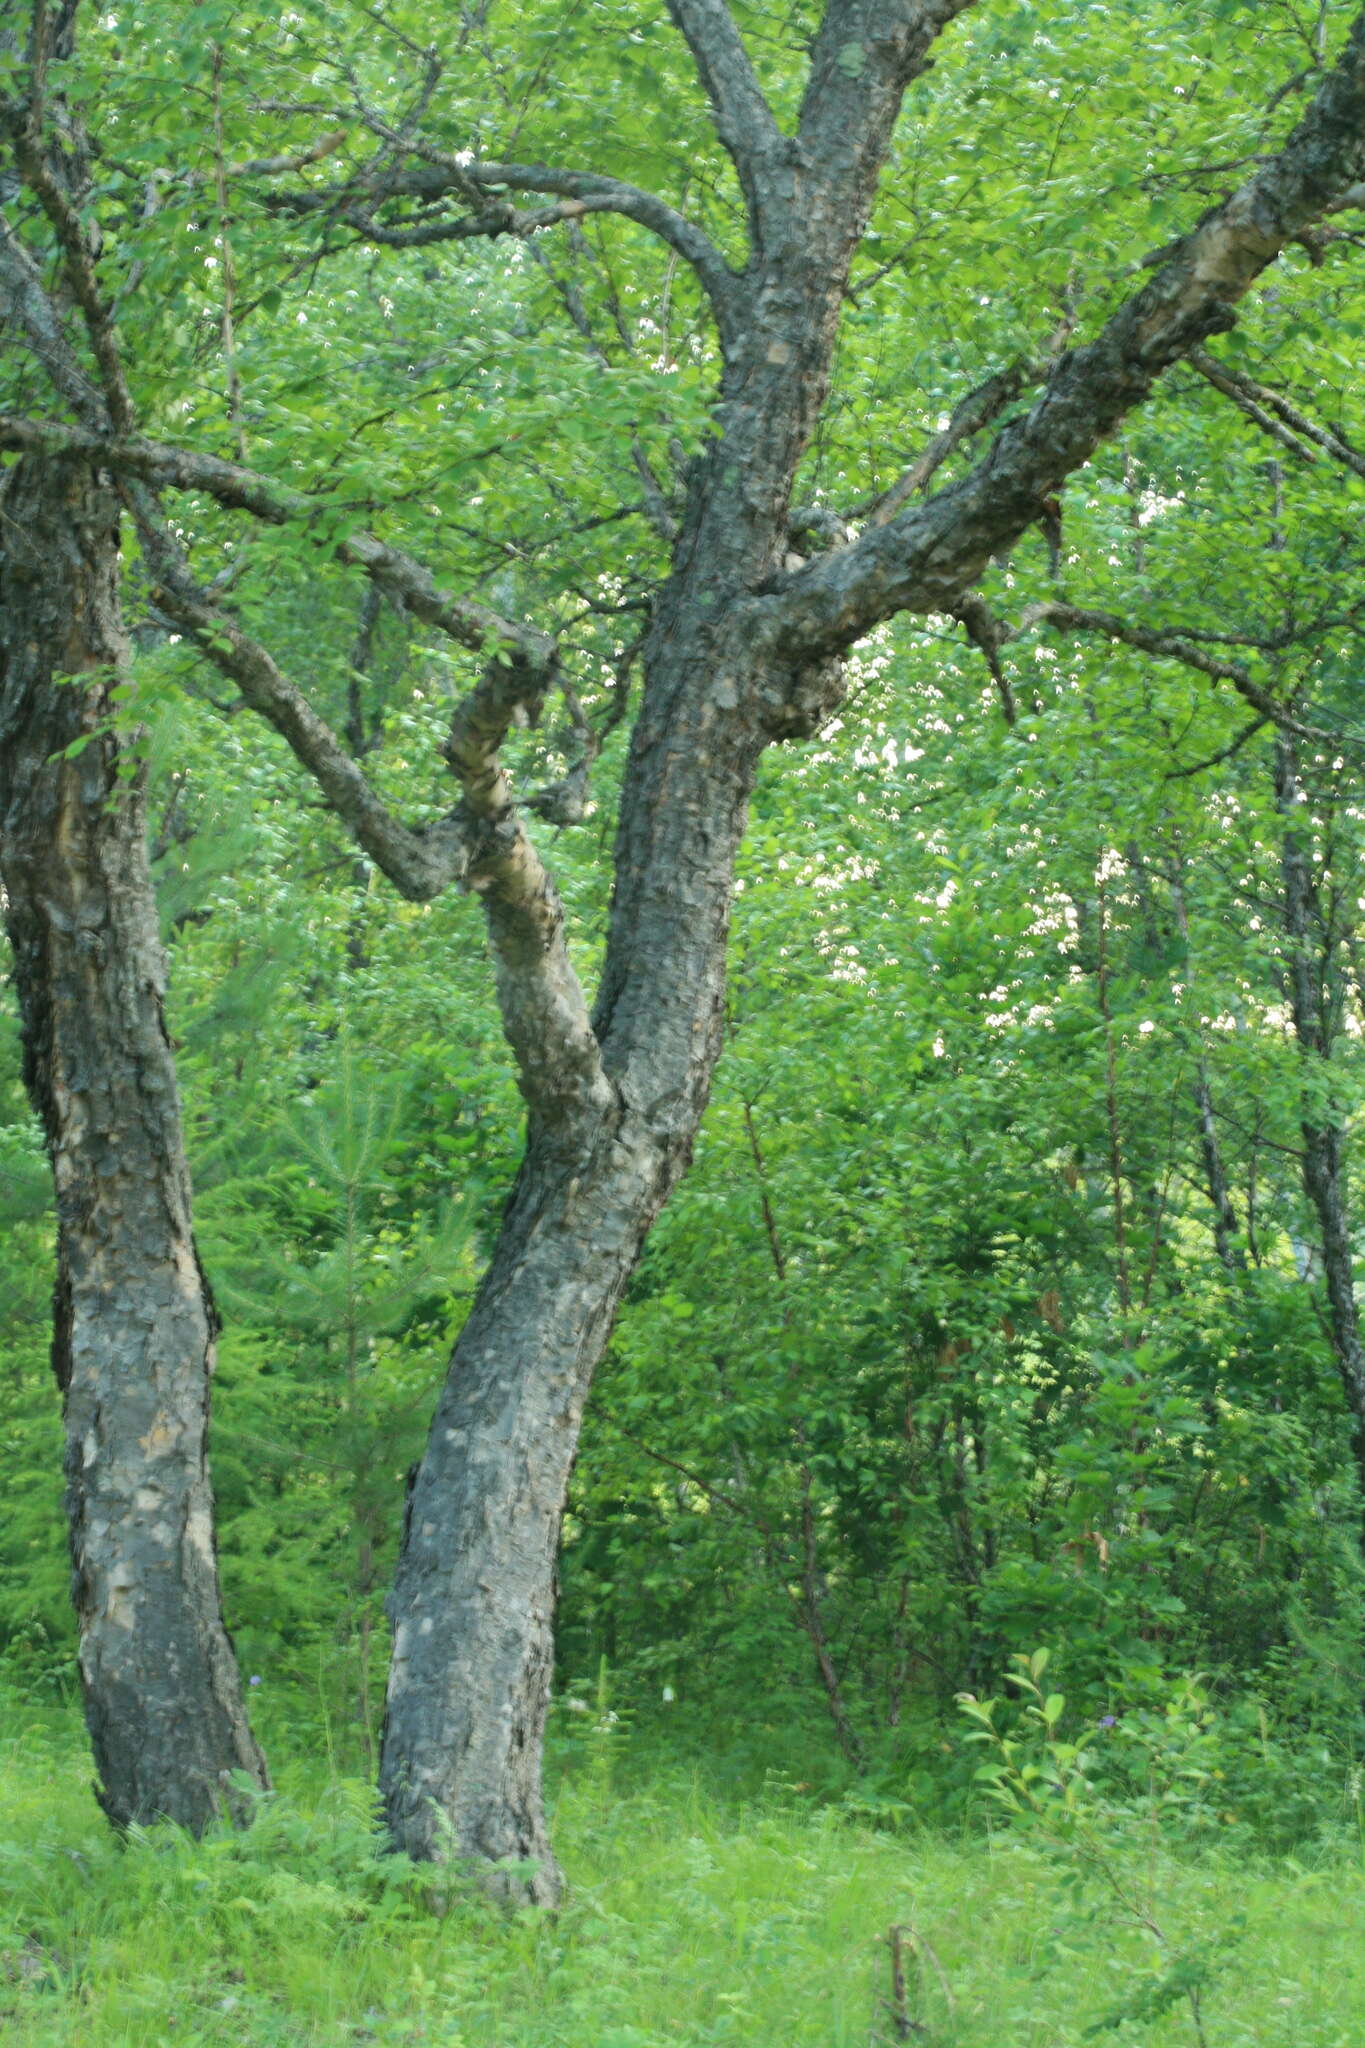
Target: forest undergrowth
710, 1903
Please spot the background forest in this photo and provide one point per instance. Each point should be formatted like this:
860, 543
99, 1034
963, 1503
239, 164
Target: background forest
1002, 1339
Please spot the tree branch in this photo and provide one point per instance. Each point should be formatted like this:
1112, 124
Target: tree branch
1168, 646
23, 299
865, 54
481, 845
400, 575
77, 262
970, 416
282, 166
477, 185
1216, 760
927, 557
420, 864
742, 118
1274, 414
544, 1013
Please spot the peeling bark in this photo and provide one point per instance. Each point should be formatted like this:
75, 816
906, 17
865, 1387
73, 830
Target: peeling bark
134, 1324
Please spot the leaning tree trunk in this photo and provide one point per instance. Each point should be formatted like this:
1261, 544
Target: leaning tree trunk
134, 1322
474, 1596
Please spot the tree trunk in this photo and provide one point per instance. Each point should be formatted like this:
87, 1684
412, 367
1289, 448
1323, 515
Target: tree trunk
134, 1323
1309, 950
474, 1596
741, 651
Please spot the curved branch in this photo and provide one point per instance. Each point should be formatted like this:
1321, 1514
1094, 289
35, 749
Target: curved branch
481, 845
544, 1012
420, 864
1276, 415
1168, 646
478, 186
400, 575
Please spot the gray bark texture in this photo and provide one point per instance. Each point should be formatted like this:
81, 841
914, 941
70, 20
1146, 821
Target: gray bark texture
134, 1323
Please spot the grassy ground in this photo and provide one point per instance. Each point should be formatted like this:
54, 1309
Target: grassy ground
694, 1920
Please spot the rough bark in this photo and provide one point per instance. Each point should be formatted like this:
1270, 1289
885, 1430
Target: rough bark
134, 1323
473, 1600
727, 670
741, 652
1308, 950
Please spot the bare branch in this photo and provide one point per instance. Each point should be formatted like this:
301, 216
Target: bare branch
23, 299
420, 864
1216, 760
403, 578
544, 1013
987, 632
1168, 646
969, 416
1275, 415
282, 166
77, 261
481, 845
480, 186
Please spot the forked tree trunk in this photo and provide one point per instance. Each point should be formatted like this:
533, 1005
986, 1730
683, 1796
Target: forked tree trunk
134, 1324
474, 1596
738, 654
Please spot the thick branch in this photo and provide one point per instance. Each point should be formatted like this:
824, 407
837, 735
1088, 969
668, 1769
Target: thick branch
742, 117
544, 1013
482, 844
925, 559
865, 55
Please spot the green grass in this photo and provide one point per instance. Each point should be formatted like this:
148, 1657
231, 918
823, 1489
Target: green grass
694, 1919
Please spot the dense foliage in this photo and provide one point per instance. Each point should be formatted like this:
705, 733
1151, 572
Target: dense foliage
936, 1355
998, 1310
900, 1388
